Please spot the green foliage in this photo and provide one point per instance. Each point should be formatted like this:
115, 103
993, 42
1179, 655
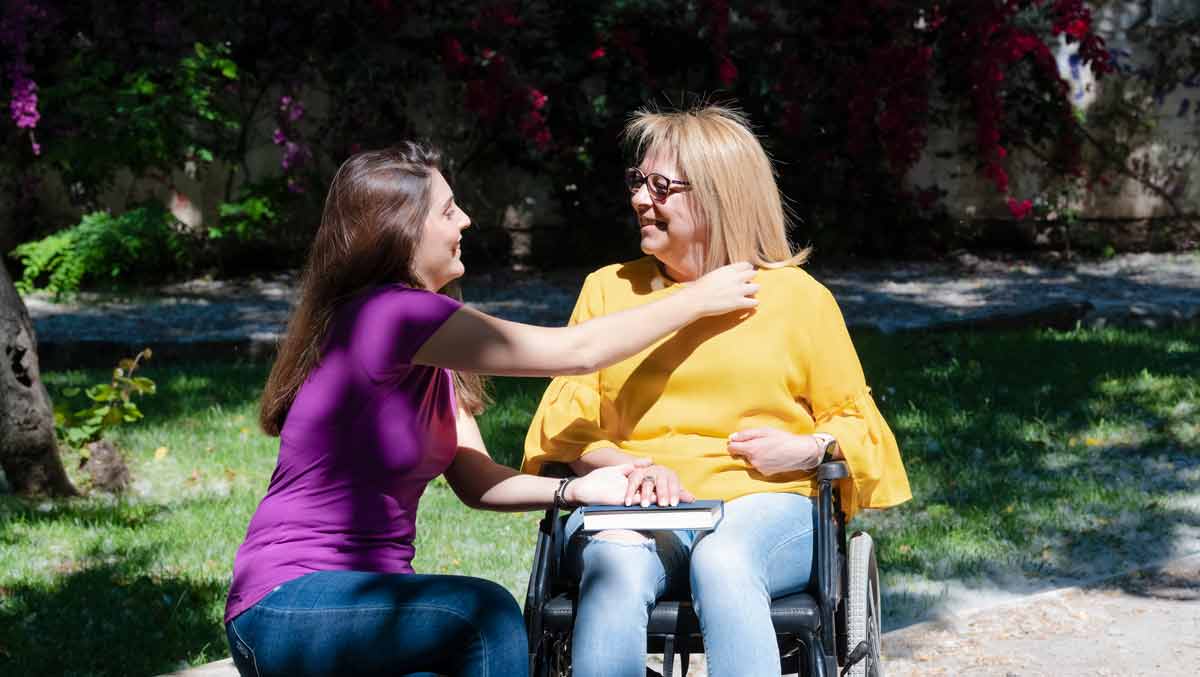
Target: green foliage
111, 404
248, 219
141, 242
155, 113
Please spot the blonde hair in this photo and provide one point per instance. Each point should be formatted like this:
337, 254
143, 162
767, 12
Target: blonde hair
733, 182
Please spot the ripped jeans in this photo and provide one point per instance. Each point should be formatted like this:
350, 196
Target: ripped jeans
763, 548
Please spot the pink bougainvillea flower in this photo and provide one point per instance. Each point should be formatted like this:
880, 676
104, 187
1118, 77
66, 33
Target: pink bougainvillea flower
295, 112
727, 72
537, 99
24, 104
1023, 43
453, 56
998, 176
1020, 209
1077, 28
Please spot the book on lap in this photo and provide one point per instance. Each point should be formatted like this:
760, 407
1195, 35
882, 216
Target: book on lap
698, 515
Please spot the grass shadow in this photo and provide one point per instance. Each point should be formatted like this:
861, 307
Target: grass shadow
1037, 457
110, 617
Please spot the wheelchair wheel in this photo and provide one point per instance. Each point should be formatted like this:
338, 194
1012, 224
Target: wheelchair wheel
862, 606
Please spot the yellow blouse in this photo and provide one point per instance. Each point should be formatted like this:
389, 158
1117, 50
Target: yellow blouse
790, 365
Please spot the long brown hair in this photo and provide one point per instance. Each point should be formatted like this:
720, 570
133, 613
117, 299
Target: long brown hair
372, 223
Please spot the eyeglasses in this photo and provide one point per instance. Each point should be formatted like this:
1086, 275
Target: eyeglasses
659, 186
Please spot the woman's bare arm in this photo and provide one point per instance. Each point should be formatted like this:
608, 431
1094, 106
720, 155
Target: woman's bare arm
480, 482
472, 341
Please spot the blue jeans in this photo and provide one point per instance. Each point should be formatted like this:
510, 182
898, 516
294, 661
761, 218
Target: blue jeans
763, 548
358, 623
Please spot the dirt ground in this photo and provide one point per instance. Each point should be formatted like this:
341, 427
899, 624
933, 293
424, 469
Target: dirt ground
1147, 623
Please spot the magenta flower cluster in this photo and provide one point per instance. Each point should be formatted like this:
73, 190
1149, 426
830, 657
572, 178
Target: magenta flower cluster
295, 153
14, 30
24, 103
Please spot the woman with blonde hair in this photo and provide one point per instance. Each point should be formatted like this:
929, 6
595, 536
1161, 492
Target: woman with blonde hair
740, 409
373, 395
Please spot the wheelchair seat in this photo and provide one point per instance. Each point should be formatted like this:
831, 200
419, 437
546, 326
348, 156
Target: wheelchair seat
793, 614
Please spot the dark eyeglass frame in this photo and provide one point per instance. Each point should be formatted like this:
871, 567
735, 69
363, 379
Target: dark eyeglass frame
635, 179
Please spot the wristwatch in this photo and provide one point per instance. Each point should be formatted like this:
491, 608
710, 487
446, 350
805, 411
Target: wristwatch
827, 444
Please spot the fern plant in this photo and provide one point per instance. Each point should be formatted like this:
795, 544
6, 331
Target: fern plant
140, 241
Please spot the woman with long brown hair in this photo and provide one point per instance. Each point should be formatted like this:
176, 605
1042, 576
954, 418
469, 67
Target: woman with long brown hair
372, 396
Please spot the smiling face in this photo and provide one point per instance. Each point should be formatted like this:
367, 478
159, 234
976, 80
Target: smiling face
437, 260
671, 230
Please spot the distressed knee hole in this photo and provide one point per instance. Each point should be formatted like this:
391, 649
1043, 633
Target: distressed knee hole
624, 536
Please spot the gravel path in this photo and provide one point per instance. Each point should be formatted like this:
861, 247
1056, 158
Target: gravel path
1146, 623
206, 317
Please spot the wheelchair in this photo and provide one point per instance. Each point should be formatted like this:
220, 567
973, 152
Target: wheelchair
833, 625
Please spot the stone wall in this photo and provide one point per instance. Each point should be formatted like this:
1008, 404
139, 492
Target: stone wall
1164, 197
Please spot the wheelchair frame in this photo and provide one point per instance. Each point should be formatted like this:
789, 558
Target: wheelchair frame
813, 651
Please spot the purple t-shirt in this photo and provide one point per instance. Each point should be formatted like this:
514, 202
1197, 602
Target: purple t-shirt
365, 434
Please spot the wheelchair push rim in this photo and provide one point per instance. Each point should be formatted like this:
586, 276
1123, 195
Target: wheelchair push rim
863, 609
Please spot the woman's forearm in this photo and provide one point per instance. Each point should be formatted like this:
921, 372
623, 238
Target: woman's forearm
482, 483
605, 340
600, 458
473, 341
521, 492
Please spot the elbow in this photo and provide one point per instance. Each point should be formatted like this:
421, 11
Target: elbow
580, 352
583, 360
473, 501
586, 367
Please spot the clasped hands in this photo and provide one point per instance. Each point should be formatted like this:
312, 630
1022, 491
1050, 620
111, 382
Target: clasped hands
769, 450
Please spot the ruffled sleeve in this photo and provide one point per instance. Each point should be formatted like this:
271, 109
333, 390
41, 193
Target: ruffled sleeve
843, 407
567, 423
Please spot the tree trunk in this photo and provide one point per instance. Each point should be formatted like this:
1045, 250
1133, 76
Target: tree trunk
28, 447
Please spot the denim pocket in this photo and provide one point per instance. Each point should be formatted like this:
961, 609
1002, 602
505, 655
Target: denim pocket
243, 654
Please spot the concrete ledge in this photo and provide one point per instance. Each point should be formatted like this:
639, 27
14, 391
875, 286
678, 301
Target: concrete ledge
222, 668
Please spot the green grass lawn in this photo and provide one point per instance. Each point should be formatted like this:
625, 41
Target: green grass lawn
1035, 453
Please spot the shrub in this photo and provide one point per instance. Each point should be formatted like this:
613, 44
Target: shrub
110, 404
141, 242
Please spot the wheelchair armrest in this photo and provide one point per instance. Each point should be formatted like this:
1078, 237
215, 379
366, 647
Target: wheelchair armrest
829, 539
556, 469
546, 555
833, 470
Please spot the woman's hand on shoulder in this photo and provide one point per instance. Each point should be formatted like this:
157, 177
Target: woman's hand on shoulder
772, 451
724, 290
